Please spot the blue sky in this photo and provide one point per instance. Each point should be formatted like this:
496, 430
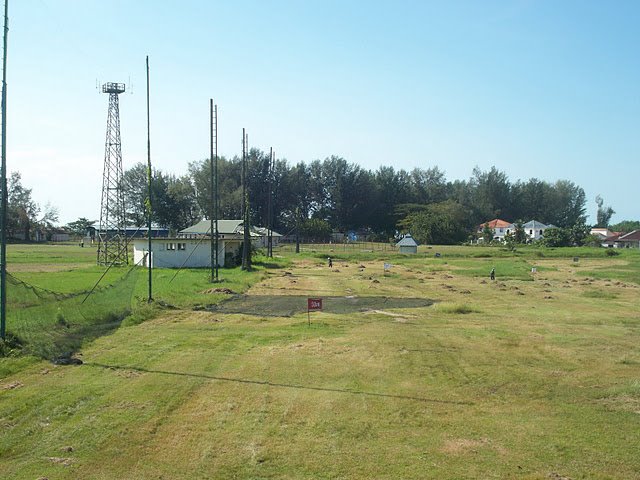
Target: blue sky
545, 89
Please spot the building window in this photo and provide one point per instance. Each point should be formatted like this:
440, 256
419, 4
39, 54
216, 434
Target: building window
530, 232
171, 246
182, 246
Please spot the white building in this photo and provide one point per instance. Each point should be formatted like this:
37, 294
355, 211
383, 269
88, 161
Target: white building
182, 252
534, 230
192, 247
500, 228
263, 240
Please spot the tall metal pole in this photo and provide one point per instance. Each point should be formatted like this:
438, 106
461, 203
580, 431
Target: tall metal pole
246, 250
216, 196
244, 201
270, 206
3, 174
149, 258
212, 198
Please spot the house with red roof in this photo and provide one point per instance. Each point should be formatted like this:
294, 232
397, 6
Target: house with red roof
610, 242
629, 240
500, 228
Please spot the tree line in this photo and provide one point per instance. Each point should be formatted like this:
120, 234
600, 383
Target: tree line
329, 195
335, 195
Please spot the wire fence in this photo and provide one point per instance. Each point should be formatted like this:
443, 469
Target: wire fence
356, 246
52, 324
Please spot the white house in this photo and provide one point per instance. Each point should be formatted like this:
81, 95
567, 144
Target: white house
603, 233
192, 246
263, 240
182, 252
203, 228
534, 230
499, 227
259, 235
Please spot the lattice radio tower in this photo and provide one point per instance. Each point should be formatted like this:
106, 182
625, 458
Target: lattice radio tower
112, 237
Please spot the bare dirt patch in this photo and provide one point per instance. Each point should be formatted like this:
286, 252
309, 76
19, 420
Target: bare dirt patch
12, 385
459, 446
289, 305
226, 291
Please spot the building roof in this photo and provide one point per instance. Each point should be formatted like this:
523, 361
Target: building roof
601, 232
227, 227
496, 223
262, 231
630, 237
612, 239
534, 224
407, 241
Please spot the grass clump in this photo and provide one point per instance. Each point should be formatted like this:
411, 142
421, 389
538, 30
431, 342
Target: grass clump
456, 308
599, 294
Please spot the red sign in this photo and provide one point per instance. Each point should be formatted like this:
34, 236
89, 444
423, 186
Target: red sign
314, 304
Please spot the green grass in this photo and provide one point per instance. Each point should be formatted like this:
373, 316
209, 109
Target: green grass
52, 310
599, 294
508, 379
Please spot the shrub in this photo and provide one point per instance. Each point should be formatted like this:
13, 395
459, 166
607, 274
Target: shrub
60, 320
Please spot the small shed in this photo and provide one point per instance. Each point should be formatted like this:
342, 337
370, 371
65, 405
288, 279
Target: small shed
407, 245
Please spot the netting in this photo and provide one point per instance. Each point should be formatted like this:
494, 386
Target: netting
52, 324
289, 305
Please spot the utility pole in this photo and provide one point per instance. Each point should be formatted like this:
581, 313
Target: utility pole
149, 209
297, 229
270, 204
213, 199
3, 186
246, 246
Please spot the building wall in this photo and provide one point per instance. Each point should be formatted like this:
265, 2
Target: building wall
408, 249
187, 253
534, 233
263, 241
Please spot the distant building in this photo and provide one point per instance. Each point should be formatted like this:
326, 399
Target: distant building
191, 248
629, 240
182, 252
407, 245
602, 233
534, 230
203, 228
499, 227
263, 237
259, 235
612, 241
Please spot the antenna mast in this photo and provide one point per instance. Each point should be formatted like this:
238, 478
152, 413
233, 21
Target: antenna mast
246, 246
270, 204
149, 176
3, 185
112, 239
213, 215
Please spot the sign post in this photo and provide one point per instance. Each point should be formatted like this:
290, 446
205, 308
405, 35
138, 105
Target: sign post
313, 304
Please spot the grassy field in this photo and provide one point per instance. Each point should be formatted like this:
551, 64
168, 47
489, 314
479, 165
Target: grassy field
429, 370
